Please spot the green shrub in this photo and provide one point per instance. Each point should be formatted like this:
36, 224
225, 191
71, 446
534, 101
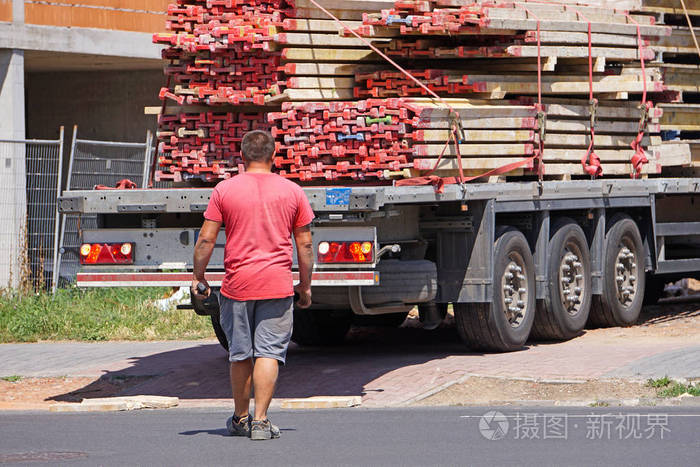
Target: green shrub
94, 315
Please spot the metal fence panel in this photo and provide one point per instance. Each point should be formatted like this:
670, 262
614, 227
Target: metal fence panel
37, 249
98, 163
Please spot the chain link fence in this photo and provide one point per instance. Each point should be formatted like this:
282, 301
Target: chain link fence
98, 163
35, 246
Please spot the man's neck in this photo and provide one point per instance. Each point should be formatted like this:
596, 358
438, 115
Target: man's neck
257, 167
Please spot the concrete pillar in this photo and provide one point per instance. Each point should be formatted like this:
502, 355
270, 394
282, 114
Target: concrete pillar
13, 197
18, 11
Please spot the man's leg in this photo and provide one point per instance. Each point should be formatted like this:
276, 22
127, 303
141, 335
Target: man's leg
264, 380
235, 319
273, 330
241, 380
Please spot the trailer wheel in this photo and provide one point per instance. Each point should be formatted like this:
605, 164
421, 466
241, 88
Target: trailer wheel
321, 327
564, 312
623, 276
504, 324
220, 335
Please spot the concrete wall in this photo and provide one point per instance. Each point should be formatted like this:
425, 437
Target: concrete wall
13, 201
106, 105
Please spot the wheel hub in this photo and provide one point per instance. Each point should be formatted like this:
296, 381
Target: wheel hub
515, 293
625, 275
571, 280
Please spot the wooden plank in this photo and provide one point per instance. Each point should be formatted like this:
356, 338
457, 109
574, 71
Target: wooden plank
566, 87
478, 135
680, 117
582, 140
582, 38
329, 55
673, 153
301, 95
300, 39
610, 53
321, 69
601, 127
547, 13
308, 82
578, 26
481, 123
316, 25
315, 13
467, 150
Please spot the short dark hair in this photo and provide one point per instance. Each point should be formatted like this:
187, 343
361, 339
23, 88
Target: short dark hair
258, 146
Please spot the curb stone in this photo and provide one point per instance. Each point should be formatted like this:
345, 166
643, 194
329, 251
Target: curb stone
110, 404
321, 402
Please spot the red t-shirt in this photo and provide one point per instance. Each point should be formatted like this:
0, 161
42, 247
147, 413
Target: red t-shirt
259, 211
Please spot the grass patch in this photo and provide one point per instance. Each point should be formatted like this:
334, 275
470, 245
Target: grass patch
676, 389
96, 315
659, 382
599, 404
665, 387
11, 379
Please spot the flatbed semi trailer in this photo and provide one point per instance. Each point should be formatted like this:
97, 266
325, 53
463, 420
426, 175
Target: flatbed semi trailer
517, 260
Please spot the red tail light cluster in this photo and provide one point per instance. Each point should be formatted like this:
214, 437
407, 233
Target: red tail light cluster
107, 253
345, 252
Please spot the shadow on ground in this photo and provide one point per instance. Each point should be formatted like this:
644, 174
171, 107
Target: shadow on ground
201, 372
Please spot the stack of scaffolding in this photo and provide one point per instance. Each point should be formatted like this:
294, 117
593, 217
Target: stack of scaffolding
339, 111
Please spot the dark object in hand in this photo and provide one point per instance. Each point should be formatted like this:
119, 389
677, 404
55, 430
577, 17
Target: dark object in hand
208, 306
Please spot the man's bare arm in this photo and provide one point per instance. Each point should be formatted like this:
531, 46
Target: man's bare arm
305, 259
203, 250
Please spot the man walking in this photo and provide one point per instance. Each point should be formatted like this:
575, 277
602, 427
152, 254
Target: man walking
260, 210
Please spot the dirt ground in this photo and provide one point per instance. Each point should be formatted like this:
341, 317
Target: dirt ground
39, 393
496, 391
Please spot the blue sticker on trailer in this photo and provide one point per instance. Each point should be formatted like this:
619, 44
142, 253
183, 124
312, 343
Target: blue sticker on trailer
338, 196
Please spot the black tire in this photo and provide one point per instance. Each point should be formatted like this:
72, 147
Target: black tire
321, 327
558, 318
389, 320
653, 289
484, 326
607, 309
219, 332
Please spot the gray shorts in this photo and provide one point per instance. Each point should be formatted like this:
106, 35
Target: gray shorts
257, 328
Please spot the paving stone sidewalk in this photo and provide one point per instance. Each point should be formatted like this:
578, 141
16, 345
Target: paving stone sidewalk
385, 367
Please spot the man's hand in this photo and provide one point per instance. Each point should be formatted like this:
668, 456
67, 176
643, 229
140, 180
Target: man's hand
304, 292
305, 257
202, 253
194, 288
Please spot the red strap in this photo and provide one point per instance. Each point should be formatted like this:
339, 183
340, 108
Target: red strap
539, 153
639, 157
590, 161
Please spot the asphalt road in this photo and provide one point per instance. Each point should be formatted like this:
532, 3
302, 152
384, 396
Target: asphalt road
446, 436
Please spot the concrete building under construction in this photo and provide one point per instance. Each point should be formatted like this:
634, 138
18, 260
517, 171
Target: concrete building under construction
85, 62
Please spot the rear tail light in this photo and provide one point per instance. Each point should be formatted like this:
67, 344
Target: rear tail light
345, 252
106, 253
